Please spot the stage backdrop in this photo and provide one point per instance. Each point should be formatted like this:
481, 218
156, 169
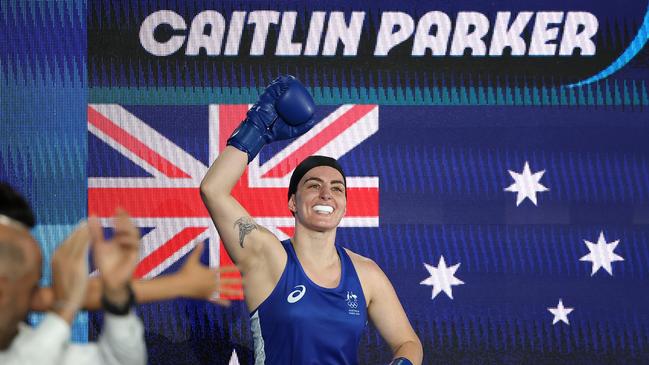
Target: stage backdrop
497, 156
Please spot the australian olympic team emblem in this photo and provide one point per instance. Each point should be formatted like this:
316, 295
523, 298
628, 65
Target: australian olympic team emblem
352, 303
352, 300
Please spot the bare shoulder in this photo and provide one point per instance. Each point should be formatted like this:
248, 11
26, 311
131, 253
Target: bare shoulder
372, 278
363, 265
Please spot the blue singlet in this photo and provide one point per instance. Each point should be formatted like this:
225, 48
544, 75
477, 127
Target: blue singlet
303, 323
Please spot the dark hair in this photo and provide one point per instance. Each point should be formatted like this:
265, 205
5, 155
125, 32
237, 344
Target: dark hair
309, 163
14, 206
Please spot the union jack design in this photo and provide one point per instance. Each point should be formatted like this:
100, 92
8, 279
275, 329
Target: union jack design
168, 200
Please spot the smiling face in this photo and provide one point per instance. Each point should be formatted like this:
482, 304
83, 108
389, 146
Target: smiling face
319, 202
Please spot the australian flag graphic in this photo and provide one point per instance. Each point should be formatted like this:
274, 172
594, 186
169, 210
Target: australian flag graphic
509, 236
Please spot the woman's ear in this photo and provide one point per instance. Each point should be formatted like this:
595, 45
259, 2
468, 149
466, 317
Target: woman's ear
291, 204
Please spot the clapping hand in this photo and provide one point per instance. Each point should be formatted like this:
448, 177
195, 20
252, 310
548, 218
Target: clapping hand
201, 282
116, 259
70, 273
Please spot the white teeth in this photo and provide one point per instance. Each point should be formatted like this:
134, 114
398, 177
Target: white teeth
323, 209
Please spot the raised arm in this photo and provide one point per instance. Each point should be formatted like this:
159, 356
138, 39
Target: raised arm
243, 238
284, 111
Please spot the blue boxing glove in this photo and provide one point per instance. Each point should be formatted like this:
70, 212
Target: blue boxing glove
401, 361
284, 110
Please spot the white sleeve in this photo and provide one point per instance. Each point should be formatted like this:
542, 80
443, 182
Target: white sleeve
121, 343
122, 340
42, 345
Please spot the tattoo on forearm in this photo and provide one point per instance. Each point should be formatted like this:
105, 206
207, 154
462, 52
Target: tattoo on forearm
246, 225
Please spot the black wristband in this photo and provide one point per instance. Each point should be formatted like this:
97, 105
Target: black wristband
119, 310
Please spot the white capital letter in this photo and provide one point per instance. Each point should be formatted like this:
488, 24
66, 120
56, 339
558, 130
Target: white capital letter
541, 34
465, 37
338, 30
197, 37
148, 41
582, 40
234, 33
262, 20
436, 43
316, 25
285, 45
509, 37
387, 37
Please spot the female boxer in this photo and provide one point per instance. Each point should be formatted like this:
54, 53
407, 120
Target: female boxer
309, 298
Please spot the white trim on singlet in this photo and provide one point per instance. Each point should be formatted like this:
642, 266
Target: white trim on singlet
258, 339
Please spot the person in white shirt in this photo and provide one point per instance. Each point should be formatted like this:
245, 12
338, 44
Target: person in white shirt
121, 341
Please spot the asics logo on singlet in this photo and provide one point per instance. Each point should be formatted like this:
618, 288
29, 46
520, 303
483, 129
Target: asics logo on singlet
296, 294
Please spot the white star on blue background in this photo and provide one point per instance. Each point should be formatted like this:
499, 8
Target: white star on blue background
526, 184
601, 254
560, 313
442, 278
